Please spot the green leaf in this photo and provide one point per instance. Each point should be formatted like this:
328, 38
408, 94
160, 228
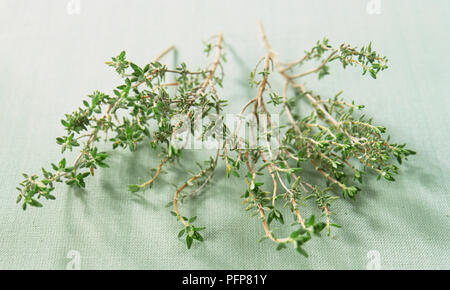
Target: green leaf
319, 227
64, 123
302, 251
136, 69
298, 232
197, 236
270, 217
49, 196
310, 221
62, 163
117, 93
189, 241
263, 239
235, 173
389, 177
102, 164
134, 187
34, 203
279, 216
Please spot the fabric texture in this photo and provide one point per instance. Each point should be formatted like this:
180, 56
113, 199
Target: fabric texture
51, 57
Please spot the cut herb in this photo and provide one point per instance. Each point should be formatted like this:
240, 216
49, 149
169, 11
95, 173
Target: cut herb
334, 139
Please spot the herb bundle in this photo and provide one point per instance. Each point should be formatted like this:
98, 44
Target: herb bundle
334, 140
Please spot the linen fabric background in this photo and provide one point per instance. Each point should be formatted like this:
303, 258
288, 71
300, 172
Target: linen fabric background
51, 57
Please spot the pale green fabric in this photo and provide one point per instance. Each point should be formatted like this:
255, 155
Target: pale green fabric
50, 60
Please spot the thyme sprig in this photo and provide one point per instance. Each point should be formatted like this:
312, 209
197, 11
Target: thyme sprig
334, 139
